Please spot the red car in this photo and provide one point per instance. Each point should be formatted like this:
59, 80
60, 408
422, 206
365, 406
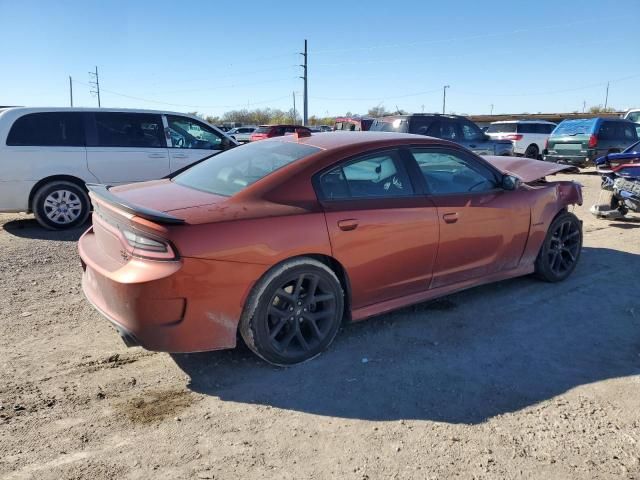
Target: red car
284, 239
270, 131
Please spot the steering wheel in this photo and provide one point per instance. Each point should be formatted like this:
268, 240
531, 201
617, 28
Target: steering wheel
180, 142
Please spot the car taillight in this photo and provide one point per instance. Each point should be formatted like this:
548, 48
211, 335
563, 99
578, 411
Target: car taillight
593, 141
514, 136
147, 247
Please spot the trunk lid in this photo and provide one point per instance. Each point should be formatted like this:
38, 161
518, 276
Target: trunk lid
568, 144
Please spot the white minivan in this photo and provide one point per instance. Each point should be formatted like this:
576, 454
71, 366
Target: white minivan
528, 136
47, 155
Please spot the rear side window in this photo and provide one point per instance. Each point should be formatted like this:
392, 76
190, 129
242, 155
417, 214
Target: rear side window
52, 129
630, 133
262, 130
141, 130
375, 176
502, 128
609, 131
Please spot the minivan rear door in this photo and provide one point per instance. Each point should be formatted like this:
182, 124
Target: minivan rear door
125, 147
190, 141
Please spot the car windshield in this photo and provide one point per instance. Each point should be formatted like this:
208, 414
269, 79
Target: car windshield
390, 125
229, 172
502, 128
575, 127
634, 116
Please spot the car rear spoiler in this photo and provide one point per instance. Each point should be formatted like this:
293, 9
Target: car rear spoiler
102, 192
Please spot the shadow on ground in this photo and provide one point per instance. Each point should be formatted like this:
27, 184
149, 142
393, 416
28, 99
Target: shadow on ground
464, 359
30, 228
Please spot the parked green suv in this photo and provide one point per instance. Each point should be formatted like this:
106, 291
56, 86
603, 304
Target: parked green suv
579, 142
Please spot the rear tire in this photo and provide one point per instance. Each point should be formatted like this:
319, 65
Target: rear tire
561, 249
532, 152
293, 313
61, 204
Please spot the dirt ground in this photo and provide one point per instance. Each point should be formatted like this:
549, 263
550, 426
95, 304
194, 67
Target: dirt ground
519, 379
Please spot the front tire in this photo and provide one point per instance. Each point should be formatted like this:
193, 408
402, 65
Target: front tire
293, 313
561, 249
61, 204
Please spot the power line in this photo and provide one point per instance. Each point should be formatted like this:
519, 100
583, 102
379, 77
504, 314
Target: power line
376, 99
185, 105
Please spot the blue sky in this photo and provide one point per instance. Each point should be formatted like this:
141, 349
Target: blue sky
539, 56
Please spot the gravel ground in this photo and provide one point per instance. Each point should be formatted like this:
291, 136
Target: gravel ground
519, 379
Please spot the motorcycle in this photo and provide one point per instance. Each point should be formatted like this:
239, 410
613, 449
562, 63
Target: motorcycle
620, 192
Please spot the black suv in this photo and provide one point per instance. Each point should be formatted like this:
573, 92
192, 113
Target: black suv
448, 127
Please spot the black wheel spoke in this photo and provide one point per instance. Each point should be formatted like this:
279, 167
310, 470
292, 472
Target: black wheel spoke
301, 340
322, 298
311, 320
298, 287
287, 296
571, 255
284, 343
278, 328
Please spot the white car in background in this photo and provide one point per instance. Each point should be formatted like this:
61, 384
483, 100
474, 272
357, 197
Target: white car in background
47, 155
241, 134
634, 116
528, 136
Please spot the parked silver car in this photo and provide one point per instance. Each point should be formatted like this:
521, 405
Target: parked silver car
241, 134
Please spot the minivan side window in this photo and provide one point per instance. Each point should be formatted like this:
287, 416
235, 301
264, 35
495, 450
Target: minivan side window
188, 133
141, 130
50, 129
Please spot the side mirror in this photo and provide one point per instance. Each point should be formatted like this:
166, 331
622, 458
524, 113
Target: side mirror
227, 143
510, 182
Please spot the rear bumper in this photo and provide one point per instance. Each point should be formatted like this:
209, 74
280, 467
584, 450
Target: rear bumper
580, 158
188, 305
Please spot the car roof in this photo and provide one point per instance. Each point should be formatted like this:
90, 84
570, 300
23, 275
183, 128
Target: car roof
522, 121
337, 139
22, 110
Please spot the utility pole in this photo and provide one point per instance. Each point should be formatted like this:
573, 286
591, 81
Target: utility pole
444, 98
491, 109
584, 105
305, 104
606, 98
294, 107
422, 108
95, 84
70, 90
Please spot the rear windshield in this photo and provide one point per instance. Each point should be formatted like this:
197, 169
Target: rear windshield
502, 128
575, 127
229, 172
390, 125
262, 129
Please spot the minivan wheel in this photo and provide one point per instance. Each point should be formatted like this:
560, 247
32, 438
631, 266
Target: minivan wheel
560, 251
293, 313
532, 152
60, 204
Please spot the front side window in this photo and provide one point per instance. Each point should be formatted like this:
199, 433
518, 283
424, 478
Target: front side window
375, 176
51, 129
446, 172
471, 133
142, 130
188, 133
233, 170
629, 133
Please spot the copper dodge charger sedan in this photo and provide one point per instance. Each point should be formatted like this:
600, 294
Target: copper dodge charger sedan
284, 239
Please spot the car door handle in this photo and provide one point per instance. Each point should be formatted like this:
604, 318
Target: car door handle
180, 155
450, 217
348, 224
157, 155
